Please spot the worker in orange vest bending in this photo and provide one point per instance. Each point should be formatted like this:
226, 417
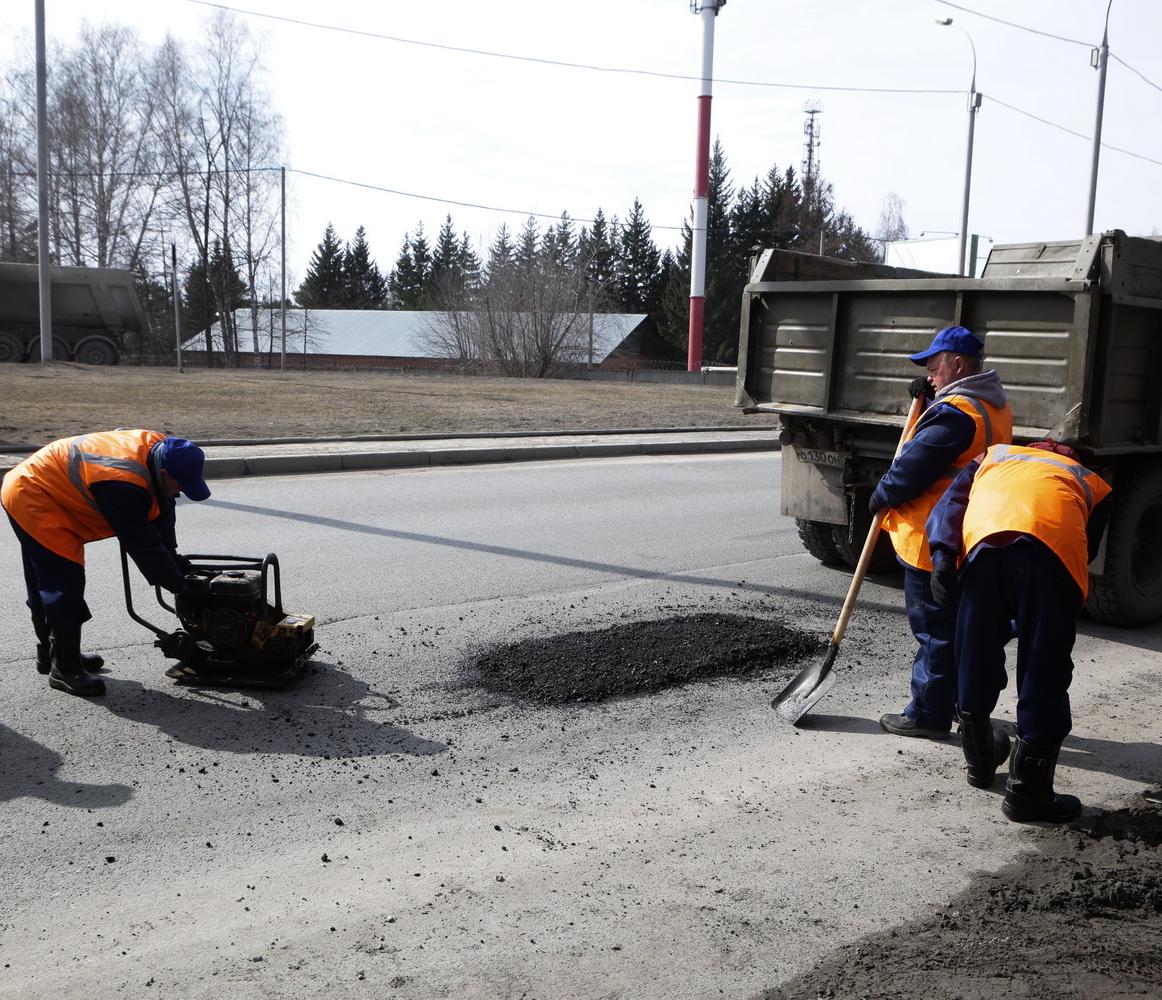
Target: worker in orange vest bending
81, 489
1023, 523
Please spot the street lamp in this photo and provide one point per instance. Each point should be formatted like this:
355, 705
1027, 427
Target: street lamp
1098, 59
973, 106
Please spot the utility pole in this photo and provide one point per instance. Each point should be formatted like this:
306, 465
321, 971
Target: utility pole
708, 11
282, 241
177, 304
974, 101
1099, 57
42, 189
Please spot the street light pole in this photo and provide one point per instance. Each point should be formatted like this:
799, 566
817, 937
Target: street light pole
1098, 59
974, 100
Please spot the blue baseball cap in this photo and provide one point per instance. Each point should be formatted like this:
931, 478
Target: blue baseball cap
957, 339
185, 461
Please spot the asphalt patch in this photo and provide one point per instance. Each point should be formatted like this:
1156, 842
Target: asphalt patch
641, 657
1080, 918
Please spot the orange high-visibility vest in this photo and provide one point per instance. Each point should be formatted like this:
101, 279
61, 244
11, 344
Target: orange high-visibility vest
48, 493
905, 524
1038, 493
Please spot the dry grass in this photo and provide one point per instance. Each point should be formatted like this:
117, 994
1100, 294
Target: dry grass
40, 403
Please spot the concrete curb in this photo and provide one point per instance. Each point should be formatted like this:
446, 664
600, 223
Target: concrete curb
338, 459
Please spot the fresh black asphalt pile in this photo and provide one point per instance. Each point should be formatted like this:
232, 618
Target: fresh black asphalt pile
641, 657
1080, 918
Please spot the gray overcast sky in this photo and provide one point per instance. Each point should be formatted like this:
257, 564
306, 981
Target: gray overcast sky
540, 138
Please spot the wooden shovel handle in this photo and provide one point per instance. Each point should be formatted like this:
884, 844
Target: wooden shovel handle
873, 535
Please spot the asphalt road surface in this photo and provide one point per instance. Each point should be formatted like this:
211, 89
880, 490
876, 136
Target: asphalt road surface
390, 828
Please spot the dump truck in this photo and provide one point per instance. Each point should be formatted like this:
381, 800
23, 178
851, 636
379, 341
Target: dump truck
93, 308
1074, 329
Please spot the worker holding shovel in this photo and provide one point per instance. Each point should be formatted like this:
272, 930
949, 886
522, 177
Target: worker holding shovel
968, 413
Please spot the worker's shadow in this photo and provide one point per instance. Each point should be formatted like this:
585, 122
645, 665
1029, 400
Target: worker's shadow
28, 770
327, 713
1135, 761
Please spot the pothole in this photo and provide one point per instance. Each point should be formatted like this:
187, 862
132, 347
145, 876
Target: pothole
641, 657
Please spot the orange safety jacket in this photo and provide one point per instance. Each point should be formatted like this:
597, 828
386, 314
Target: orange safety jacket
48, 493
905, 524
1037, 493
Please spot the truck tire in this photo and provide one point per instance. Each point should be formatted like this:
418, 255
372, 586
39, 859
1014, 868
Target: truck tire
816, 539
96, 351
11, 347
883, 558
1129, 592
60, 350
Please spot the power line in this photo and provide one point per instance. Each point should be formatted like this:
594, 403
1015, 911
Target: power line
1137, 73
1014, 24
449, 201
1049, 34
1080, 135
559, 62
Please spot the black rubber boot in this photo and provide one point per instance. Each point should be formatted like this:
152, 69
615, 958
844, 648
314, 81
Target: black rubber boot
66, 672
90, 661
1029, 795
985, 749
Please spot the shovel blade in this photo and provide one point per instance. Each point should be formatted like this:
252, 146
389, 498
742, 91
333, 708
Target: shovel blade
811, 684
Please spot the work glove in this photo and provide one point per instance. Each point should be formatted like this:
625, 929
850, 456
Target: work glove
874, 504
920, 386
184, 563
945, 579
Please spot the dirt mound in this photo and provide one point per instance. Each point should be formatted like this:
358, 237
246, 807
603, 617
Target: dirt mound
640, 657
1082, 918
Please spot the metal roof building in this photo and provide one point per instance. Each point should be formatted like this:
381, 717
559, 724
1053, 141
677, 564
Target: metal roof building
375, 337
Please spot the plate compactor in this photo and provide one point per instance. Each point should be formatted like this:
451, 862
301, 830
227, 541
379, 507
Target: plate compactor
231, 635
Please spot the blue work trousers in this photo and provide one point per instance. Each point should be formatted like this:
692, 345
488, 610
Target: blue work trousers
1027, 583
933, 704
55, 585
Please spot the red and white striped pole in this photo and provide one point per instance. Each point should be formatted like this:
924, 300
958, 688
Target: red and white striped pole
708, 9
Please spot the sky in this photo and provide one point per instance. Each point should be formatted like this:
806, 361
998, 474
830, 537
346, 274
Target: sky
521, 135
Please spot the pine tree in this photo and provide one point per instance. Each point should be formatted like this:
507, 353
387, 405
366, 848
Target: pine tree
207, 288
597, 249
724, 279
638, 278
324, 287
527, 245
559, 246
501, 254
364, 286
409, 283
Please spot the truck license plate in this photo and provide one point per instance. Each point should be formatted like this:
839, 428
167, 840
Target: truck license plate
816, 456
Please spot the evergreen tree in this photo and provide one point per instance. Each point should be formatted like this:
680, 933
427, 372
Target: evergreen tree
410, 280
559, 246
469, 264
527, 245
501, 254
638, 277
364, 286
597, 249
206, 287
325, 286
724, 277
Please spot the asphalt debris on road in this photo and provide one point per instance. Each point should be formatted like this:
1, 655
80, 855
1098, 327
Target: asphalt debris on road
640, 657
1080, 917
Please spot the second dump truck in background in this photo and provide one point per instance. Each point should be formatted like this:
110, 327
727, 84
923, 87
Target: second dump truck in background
93, 308
1074, 329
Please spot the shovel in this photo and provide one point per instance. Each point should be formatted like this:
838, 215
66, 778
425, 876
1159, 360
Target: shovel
812, 683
